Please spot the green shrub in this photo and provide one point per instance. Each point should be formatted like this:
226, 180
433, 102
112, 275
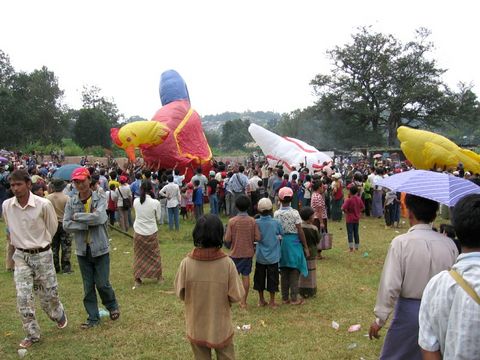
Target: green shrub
96, 151
70, 148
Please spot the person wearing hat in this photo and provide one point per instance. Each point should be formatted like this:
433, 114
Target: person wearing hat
267, 253
294, 249
86, 216
212, 187
33, 259
61, 239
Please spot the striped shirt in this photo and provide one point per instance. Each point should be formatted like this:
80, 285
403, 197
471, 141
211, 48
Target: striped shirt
242, 232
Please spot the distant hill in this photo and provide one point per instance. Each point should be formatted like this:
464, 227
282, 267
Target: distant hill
263, 118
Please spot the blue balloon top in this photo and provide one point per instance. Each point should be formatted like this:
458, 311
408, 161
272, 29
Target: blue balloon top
172, 87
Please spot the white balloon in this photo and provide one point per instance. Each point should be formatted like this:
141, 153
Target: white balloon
287, 151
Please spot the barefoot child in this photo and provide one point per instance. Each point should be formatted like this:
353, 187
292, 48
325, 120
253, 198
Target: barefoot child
208, 283
307, 287
267, 253
242, 232
352, 207
293, 249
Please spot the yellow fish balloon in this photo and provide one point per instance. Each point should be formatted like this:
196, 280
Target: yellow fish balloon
139, 134
427, 150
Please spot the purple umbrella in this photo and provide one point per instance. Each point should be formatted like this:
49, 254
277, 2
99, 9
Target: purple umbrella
443, 188
2, 159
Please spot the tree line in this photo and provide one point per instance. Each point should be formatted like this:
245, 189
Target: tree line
31, 111
376, 84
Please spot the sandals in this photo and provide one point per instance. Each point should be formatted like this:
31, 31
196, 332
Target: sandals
88, 325
114, 315
63, 322
28, 342
298, 302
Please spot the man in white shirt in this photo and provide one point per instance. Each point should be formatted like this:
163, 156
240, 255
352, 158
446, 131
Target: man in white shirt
450, 316
412, 260
201, 178
253, 182
172, 192
31, 221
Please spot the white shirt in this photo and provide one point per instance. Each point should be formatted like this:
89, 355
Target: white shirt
126, 193
32, 226
202, 178
253, 183
178, 179
449, 318
412, 260
172, 192
146, 216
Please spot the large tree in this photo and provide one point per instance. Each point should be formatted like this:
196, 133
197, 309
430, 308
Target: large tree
235, 134
92, 128
380, 83
92, 99
30, 106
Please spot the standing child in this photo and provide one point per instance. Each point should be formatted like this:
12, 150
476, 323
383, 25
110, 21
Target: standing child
189, 198
352, 208
197, 199
242, 232
307, 287
293, 249
208, 284
183, 203
267, 253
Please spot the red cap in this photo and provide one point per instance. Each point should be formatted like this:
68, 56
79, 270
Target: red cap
80, 174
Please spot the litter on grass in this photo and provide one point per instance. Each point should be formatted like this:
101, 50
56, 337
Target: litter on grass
354, 328
103, 313
352, 346
21, 353
335, 325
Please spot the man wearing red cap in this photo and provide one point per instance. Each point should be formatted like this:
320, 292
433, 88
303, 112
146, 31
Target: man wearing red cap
86, 216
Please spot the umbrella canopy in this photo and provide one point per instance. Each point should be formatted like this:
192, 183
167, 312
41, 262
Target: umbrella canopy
377, 156
65, 172
2, 159
443, 188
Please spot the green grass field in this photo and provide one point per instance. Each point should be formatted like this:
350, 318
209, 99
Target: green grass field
152, 323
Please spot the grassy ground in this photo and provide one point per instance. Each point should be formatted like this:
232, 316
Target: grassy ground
152, 324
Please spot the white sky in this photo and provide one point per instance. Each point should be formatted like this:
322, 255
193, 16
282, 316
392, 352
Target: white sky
233, 55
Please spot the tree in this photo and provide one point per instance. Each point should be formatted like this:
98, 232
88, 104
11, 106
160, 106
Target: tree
30, 108
92, 99
235, 134
381, 84
92, 128
6, 70
213, 138
325, 129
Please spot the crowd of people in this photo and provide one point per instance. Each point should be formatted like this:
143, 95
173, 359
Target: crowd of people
277, 216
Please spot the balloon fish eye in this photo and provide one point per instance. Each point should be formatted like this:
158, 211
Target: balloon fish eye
129, 139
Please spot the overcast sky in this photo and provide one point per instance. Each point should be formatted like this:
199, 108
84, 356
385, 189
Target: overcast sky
234, 55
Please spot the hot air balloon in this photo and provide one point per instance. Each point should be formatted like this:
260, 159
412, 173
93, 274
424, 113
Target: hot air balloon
287, 151
174, 137
427, 150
